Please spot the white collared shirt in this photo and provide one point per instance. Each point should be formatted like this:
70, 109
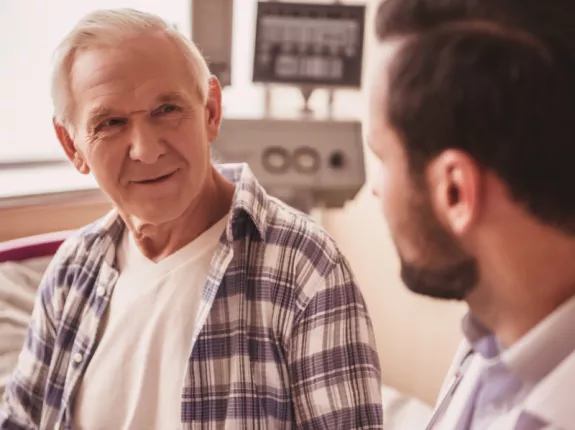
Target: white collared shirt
518, 387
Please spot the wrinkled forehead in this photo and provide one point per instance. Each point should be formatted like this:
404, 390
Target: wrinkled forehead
134, 55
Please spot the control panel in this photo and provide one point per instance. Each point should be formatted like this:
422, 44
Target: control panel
303, 162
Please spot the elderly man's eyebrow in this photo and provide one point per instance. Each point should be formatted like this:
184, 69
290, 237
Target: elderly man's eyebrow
173, 96
100, 113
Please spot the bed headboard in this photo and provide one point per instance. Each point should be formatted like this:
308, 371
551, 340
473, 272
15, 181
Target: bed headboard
26, 248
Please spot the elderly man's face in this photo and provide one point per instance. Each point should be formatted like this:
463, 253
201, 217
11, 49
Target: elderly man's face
141, 127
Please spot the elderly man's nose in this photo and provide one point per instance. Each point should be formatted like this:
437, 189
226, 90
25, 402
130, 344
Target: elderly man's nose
146, 146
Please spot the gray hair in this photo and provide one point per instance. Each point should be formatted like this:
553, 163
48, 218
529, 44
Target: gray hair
107, 27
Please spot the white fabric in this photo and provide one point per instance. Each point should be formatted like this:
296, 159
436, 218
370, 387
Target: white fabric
403, 412
550, 398
134, 379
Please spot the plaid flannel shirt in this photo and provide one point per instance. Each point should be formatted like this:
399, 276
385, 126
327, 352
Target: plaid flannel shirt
283, 341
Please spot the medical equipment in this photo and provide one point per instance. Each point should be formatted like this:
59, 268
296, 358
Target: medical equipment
304, 159
310, 44
304, 163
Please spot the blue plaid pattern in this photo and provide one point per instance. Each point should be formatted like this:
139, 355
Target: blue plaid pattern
284, 339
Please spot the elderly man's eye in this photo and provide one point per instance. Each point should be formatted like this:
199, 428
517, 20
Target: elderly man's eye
166, 109
111, 122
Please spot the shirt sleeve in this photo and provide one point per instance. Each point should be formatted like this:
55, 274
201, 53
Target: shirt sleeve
24, 395
333, 361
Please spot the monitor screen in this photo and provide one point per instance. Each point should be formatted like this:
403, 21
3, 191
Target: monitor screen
309, 44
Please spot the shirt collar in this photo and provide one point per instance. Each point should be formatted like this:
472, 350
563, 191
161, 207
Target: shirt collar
250, 202
480, 337
542, 349
537, 353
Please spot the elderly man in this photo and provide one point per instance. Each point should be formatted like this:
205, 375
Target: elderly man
201, 302
472, 108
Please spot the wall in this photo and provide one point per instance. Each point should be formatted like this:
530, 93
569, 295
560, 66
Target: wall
33, 220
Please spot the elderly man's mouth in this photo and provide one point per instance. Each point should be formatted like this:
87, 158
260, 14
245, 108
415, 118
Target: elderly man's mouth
156, 180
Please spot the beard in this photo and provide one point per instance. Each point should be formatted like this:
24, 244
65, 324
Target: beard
448, 283
446, 271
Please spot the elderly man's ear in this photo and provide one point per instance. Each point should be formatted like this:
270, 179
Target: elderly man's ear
214, 108
69, 148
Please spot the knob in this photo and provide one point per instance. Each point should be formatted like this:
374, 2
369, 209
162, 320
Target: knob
337, 160
275, 160
306, 160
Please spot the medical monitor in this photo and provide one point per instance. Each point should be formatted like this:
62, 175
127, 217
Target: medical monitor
317, 44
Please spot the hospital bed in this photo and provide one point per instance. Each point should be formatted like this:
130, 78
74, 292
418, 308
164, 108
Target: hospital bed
22, 264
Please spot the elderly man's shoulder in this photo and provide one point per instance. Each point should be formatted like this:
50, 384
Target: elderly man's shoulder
294, 234
86, 243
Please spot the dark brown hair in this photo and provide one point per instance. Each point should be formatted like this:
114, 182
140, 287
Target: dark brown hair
496, 79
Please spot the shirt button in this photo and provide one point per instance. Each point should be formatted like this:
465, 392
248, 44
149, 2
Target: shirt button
101, 291
78, 358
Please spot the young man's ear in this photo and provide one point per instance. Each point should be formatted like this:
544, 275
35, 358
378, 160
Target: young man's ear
69, 148
457, 185
214, 108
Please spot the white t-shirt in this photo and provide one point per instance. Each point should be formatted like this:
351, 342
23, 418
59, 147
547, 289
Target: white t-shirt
135, 377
